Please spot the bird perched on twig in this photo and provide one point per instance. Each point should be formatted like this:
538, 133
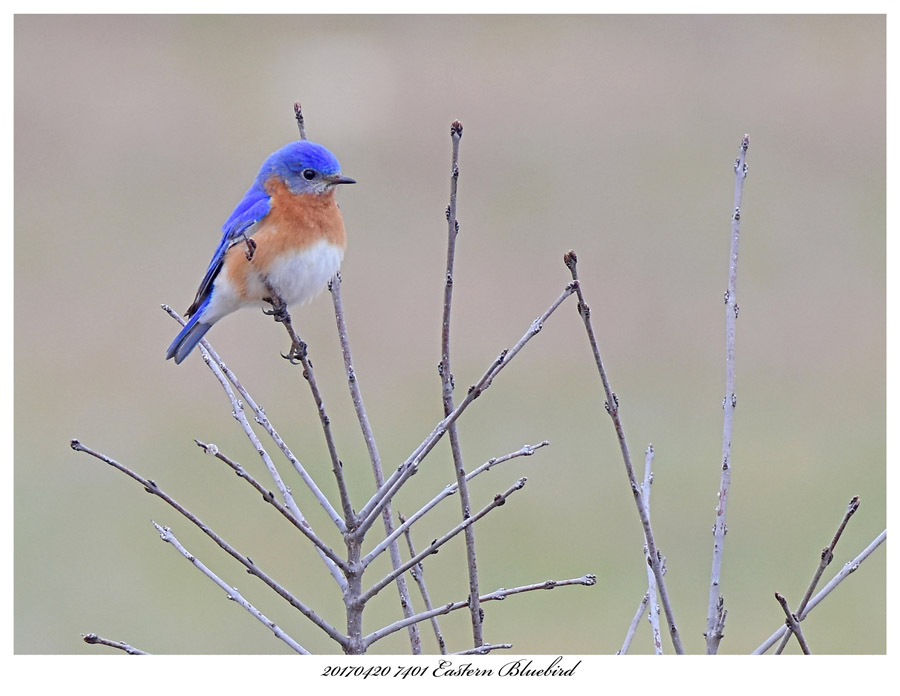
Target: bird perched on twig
285, 236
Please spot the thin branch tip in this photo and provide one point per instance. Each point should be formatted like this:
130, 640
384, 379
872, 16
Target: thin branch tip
298, 115
94, 639
208, 448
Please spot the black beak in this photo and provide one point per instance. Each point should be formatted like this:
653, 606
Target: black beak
340, 179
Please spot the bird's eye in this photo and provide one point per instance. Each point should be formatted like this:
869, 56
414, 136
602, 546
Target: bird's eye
308, 174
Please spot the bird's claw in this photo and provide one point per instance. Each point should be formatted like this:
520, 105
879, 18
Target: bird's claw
291, 357
297, 353
278, 311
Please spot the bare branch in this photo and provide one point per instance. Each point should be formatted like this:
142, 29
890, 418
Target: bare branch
825, 559
214, 361
828, 552
715, 619
231, 593
499, 499
418, 574
849, 568
612, 407
151, 487
386, 515
237, 410
632, 627
299, 353
409, 467
267, 495
224, 375
447, 383
497, 595
94, 639
485, 648
448, 490
651, 593
792, 623
651, 578
298, 114
334, 286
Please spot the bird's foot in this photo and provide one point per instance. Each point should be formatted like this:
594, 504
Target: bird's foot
279, 309
297, 353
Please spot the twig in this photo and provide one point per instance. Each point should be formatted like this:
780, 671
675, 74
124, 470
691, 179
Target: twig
446, 374
792, 623
237, 411
849, 567
231, 593
299, 353
612, 407
409, 467
826, 557
497, 595
632, 627
152, 488
353, 381
262, 419
715, 619
499, 499
240, 416
267, 495
298, 114
448, 490
828, 552
485, 648
418, 574
651, 593
224, 375
653, 616
366, 428
94, 639
524, 451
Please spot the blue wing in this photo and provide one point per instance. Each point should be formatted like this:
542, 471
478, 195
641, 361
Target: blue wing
254, 206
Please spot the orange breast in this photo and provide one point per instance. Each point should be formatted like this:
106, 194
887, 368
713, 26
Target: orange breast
294, 223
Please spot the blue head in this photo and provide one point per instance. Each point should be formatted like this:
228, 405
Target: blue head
305, 167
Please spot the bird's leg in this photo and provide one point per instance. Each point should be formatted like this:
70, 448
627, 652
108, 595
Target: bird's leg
251, 246
279, 313
297, 354
279, 307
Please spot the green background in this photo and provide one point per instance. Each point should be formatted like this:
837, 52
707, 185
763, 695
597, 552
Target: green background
611, 135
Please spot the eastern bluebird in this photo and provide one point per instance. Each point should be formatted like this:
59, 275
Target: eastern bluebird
297, 245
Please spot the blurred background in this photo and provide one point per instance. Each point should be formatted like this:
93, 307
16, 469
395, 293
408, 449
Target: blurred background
611, 135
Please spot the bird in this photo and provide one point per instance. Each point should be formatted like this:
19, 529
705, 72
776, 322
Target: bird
286, 235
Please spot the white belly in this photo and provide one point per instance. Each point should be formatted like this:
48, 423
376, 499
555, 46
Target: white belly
296, 277
299, 277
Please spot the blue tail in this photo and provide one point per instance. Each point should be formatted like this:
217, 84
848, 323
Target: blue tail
189, 337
